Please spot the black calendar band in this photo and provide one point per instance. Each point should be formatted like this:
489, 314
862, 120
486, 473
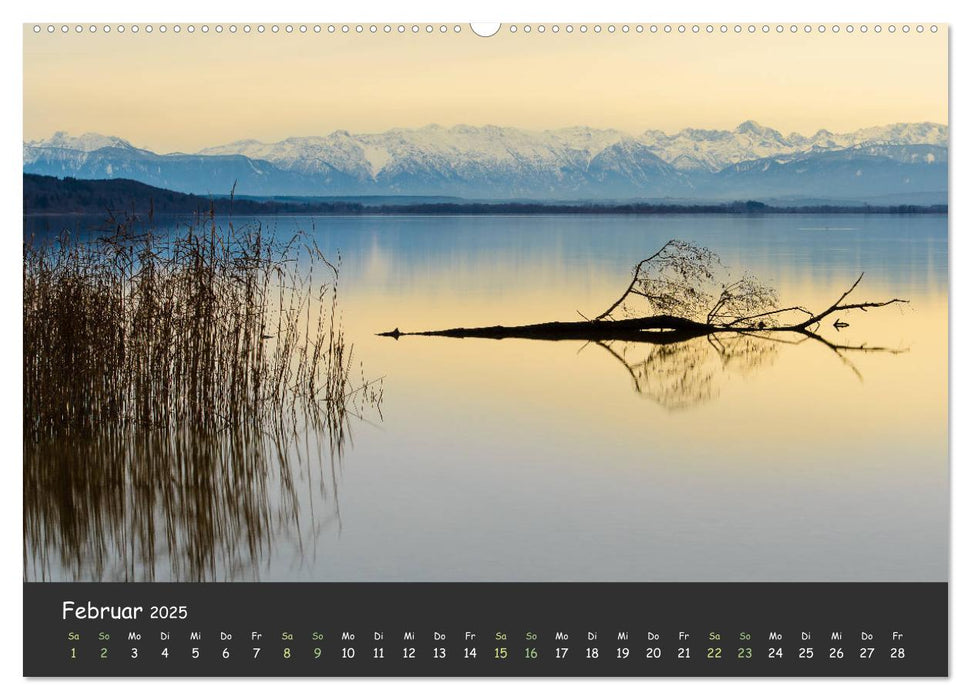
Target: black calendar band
486, 629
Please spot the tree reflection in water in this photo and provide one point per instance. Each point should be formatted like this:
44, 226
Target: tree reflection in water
686, 373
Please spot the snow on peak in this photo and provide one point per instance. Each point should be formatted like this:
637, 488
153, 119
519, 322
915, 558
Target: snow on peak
904, 134
86, 142
749, 126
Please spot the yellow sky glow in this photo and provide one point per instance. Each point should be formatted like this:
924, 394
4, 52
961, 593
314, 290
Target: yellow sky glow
181, 92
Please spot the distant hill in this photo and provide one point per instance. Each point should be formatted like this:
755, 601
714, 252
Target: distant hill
891, 162
50, 195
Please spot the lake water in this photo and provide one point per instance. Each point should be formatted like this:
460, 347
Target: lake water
519, 460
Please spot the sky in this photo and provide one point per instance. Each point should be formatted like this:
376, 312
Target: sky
180, 92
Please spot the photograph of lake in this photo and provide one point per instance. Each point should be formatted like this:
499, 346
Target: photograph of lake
538, 311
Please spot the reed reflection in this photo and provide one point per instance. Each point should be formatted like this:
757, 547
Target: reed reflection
135, 504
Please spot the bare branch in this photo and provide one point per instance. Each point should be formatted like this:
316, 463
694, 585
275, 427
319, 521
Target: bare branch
834, 307
769, 313
633, 282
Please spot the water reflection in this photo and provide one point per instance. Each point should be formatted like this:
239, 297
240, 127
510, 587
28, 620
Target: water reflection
138, 504
685, 374
688, 373
522, 461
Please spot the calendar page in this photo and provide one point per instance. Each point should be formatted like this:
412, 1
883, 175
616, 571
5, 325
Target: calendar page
436, 349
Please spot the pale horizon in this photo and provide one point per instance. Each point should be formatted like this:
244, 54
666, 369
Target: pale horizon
182, 93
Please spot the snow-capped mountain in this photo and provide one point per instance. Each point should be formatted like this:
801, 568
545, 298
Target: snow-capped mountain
711, 150
688, 149
179, 172
85, 143
700, 149
459, 159
502, 162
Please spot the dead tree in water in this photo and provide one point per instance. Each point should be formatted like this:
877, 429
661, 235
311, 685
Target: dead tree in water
689, 294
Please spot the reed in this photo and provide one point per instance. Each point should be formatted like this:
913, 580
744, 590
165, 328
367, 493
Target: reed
213, 327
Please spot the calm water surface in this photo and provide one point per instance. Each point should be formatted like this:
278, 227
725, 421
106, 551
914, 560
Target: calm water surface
520, 460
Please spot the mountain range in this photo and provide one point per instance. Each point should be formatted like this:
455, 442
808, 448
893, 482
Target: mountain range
898, 163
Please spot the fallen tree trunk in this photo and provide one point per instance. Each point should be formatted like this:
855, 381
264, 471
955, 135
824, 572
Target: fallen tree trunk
657, 329
679, 279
